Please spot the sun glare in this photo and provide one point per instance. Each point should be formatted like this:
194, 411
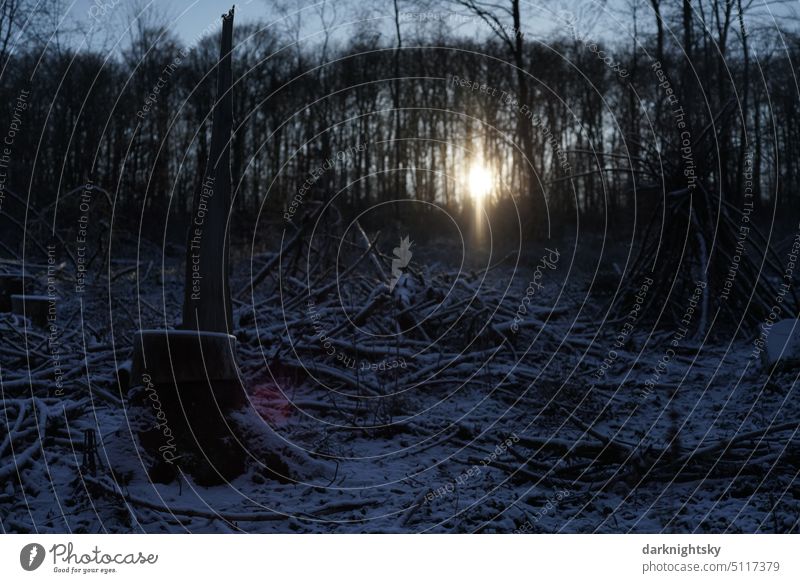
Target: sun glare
480, 182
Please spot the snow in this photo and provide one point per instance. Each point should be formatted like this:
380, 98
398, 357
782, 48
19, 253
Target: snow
482, 430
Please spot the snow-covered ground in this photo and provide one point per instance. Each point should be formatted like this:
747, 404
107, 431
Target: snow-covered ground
484, 412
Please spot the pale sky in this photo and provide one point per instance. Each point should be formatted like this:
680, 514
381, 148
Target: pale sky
189, 17
603, 19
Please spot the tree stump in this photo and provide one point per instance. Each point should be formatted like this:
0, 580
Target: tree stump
184, 382
183, 386
33, 307
189, 411
188, 408
12, 284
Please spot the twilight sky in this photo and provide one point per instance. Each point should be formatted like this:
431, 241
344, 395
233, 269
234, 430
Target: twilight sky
602, 19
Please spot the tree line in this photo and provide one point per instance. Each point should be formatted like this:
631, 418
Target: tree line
574, 125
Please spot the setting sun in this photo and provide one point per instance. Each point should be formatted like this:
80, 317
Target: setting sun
479, 181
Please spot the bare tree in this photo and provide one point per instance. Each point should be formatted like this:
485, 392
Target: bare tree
497, 16
12, 14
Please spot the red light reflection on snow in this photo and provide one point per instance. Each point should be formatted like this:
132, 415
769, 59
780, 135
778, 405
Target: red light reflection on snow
270, 402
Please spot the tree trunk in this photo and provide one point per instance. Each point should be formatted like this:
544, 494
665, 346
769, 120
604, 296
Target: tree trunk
524, 124
207, 298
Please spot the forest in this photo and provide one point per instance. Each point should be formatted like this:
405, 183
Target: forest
399, 266
135, 121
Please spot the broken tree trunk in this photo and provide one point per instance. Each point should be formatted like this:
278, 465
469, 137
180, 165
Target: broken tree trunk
207, 297
188, 403
191, 374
